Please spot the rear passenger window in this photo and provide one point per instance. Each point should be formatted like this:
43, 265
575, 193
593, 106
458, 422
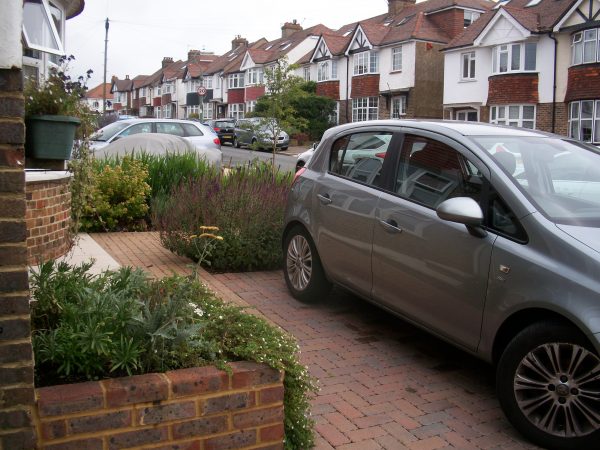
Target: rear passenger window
170, 128
136, 129
191, 130
360, 156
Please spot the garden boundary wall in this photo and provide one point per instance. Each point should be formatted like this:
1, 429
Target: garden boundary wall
188, 409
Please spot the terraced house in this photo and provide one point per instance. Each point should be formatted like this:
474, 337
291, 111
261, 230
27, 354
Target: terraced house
390, 66
529, 63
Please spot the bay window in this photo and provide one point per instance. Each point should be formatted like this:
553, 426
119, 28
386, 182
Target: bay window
366, 62
236, 110
254, 76
513, 115
514, 58
584, 120
585, 47
365, 108
207, 82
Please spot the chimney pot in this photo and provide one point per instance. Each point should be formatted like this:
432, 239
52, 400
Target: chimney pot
290, 28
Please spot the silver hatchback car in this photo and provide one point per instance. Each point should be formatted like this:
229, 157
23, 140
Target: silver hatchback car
487, 236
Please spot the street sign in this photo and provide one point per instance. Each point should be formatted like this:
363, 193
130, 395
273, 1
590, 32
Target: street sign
201, 91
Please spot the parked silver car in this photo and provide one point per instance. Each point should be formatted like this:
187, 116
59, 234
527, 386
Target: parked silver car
487, 236
258, 132
202, 136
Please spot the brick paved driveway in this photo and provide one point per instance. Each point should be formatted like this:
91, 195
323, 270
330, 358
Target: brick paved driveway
384, 383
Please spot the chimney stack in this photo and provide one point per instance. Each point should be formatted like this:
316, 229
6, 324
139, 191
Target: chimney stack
396, 6
194, 56
166, 61
290, 28
238, 41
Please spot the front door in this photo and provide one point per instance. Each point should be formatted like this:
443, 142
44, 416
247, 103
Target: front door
433, 271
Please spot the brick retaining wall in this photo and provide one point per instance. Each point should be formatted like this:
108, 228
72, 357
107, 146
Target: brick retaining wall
192, 409
48, 219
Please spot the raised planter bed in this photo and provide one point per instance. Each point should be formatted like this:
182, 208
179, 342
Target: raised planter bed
188, 409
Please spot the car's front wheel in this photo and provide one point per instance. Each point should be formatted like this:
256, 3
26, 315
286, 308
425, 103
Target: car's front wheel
548, 384
302, 269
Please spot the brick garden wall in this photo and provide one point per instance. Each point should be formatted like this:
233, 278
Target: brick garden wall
48, 219
16, 359
189, 409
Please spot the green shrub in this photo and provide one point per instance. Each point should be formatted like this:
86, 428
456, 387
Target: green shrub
118, 197
89, 327
246, 205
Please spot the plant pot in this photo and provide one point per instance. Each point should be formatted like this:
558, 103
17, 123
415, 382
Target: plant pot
50, 137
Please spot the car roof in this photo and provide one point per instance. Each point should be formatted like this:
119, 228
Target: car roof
445, 126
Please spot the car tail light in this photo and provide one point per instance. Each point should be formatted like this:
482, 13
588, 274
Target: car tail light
217, 129
217, 141
300, 172
381, 155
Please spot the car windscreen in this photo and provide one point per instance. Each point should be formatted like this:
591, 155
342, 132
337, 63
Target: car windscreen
561, 177
104, 134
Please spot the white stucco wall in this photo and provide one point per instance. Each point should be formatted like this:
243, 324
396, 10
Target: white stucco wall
11, 21
545, 68
405, 78
563, 62
457, 91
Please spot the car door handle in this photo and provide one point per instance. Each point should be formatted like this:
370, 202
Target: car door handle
390, 226
324, 199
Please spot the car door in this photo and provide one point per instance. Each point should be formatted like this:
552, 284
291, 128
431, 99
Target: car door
344, 206
431, 270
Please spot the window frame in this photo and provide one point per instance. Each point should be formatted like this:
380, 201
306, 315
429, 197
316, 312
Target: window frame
578, 45
469, 17
401, 110
235, 80
254, 76
594, 120
471, 60
509, 50
48, 21
506, 112
397, 59
365, 63
366, 107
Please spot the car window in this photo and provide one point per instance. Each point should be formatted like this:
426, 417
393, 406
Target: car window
224, 124
170, 128
360, 156
137, 128
431, 172
502, 220
191, 130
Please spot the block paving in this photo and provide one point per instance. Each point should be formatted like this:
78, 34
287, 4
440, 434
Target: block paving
384, 384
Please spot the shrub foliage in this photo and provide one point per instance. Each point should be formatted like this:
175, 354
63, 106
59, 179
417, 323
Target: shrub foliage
88, 327
246, 205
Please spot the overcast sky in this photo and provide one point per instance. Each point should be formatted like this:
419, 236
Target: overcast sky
142, 32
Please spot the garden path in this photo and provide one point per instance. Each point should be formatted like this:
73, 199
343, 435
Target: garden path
384, 383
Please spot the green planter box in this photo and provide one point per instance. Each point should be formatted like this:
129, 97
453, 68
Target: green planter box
50, 137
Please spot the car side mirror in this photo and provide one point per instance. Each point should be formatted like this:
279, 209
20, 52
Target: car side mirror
463, 210
315, 144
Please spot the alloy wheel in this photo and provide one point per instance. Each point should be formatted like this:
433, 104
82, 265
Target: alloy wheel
299, 262
557, 388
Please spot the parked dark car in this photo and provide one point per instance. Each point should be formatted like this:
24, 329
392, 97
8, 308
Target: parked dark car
487, 236
224, 129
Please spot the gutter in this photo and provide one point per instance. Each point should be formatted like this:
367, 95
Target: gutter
347, 87
551, 36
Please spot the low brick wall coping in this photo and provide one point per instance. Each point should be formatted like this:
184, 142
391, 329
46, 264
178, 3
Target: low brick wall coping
42, 176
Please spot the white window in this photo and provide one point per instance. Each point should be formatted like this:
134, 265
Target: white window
307, 73
584, 120
514, 58
585, 47
207, 82
143, 92
40, 30
157, 112
168, 88
192, 85
513, 115
366, 62
208, 109
236, 110
467, 115
396, 59
251, 106
235, 80
468, 66
470, 17
254, 76
167, 111
334, 118
192, 110
365, 108
398, 107
323, 71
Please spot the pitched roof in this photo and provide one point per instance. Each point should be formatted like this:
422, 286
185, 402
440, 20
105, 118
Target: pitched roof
174, 70
122, 85
539, 18
98, 91
139, 81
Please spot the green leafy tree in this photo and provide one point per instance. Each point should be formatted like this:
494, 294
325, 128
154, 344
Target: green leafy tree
277, 110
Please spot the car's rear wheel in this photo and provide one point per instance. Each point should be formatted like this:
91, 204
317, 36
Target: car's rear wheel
548, 384
236, 142
302, 269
